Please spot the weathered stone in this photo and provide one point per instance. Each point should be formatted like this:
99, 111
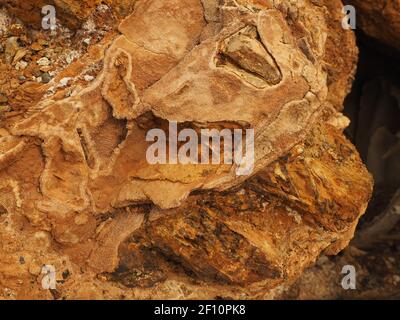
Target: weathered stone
379, 19
74, 168
72, 13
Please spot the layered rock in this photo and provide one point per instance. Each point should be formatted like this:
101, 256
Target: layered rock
242, 243
74, 174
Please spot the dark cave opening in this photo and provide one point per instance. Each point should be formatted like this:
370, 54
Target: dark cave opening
373, 106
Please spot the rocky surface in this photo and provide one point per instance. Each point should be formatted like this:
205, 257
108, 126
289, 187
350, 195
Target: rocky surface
242, 243
374, 108
76, 191
379, 19
377, 276
72, 13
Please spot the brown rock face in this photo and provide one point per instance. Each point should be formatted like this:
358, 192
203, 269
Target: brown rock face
74, 175
240, 237
379, 19
72, 13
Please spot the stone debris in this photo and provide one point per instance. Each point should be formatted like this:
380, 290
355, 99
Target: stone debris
21, 65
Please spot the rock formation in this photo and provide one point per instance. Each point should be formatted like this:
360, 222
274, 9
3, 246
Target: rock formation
72, 13
77, 192
379, 19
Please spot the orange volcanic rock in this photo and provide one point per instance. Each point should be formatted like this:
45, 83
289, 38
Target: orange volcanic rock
156, 72
77, 190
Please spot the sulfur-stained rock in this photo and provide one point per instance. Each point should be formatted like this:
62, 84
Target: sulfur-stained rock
75, 175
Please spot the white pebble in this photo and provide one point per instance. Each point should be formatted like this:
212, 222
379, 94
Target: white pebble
21, 65
64, 82
88, 78
43, 62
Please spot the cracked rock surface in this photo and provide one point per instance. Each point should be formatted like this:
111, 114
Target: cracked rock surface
77, 192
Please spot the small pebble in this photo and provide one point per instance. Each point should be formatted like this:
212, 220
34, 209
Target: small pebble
71, 56
87, 41
66, 274
36, 46
21, 65
3, 98
88, 78
43, 62
45, 78
64, 82
69, 59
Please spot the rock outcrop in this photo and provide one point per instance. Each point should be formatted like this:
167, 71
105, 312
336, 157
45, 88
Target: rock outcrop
379, 19
77, 191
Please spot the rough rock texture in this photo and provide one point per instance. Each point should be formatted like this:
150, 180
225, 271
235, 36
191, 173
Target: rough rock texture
77, 192
341, 55
237, 244
148, 80
379, 19
377, 276
70, 12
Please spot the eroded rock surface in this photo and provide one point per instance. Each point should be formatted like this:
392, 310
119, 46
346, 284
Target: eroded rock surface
72, 13
240, 76
379, 19
75, 178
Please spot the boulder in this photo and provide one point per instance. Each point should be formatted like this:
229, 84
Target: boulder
78, 192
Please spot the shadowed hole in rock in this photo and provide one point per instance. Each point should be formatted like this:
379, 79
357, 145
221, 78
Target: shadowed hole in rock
149, 121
